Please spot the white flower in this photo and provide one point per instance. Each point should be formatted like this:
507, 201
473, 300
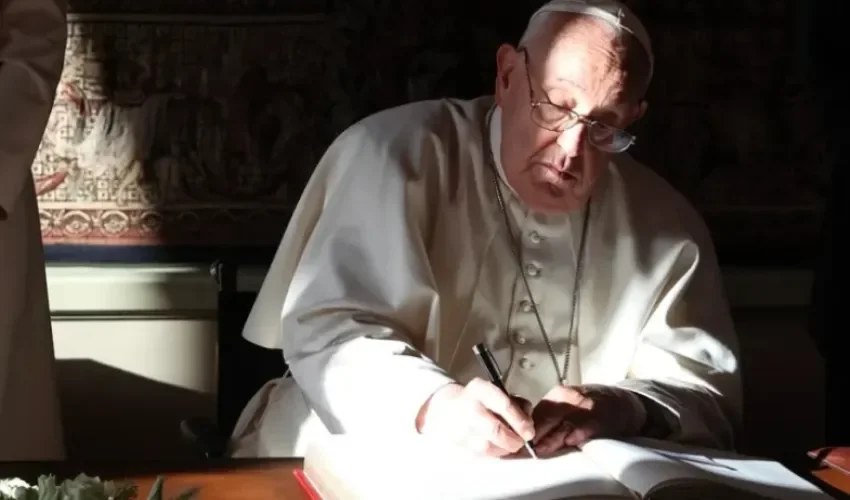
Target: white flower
10, 487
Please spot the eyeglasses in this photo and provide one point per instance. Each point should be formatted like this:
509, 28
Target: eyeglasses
550, 116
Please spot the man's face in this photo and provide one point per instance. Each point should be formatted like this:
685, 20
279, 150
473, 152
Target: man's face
552, 165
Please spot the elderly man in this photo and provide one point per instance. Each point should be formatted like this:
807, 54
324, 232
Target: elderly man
32, 54
516, 221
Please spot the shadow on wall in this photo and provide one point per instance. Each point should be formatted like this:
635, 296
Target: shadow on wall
783, 379
111, 414
132, 364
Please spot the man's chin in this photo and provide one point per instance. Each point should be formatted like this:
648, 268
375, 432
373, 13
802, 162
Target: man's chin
559, 198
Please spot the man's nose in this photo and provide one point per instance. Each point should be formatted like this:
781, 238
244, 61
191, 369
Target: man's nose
572, 139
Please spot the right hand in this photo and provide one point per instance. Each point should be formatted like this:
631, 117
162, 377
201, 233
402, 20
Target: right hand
479, 417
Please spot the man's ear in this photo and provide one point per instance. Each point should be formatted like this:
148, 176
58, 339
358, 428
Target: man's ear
506, 60
636, 112
644, 105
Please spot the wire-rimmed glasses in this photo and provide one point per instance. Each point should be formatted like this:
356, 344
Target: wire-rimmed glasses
550, 116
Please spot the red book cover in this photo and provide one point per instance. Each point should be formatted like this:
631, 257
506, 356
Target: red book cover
302, 479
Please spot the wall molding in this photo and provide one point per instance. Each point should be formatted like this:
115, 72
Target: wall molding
131, 292
188, 291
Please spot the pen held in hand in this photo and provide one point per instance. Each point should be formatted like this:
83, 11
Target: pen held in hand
495, 375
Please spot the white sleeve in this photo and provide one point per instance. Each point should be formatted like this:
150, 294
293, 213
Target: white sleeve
32, 54
362, 300
687, 359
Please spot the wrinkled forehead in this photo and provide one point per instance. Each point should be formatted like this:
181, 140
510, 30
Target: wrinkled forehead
581, 58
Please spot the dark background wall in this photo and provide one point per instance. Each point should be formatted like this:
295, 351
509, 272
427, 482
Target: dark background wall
828, 323
184, 128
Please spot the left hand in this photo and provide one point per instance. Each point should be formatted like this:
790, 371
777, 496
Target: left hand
569, 416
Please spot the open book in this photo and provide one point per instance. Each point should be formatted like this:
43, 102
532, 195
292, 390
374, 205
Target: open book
358, 468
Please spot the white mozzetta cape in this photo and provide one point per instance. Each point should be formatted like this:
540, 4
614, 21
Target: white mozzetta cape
396, 261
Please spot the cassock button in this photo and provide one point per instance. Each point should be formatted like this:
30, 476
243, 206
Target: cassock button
532, 270
526, 306
526, 364
519, 339
535, 237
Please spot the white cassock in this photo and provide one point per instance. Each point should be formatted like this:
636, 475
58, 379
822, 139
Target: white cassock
32, 54
397, 261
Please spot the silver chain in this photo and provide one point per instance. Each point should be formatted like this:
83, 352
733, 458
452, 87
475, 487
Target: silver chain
574, 320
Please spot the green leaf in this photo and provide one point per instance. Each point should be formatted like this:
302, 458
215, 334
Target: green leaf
83, 487
156, 489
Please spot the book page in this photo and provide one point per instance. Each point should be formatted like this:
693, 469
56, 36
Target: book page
354, 467
646, 466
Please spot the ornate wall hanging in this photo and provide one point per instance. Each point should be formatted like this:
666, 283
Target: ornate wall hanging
184, 130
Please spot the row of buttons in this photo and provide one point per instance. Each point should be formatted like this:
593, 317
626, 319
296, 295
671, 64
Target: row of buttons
532, 271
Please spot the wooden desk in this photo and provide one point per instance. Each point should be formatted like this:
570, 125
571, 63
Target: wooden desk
832, 466
272, 479
835, 479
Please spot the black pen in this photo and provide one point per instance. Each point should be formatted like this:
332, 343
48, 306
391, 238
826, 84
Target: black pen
485, 357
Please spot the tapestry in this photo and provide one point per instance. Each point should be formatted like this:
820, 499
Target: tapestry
186, 130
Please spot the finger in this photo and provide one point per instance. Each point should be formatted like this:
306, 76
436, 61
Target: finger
546, 426
570, 395
491, 450
521, 453
480, 445
583, 433
523, 404
547, 416
484, 432
501, 404
555, 440
489, 427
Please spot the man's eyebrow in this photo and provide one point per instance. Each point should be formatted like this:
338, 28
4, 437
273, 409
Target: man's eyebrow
572, 83
603, 114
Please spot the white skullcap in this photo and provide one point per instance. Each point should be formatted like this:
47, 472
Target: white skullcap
613, 12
